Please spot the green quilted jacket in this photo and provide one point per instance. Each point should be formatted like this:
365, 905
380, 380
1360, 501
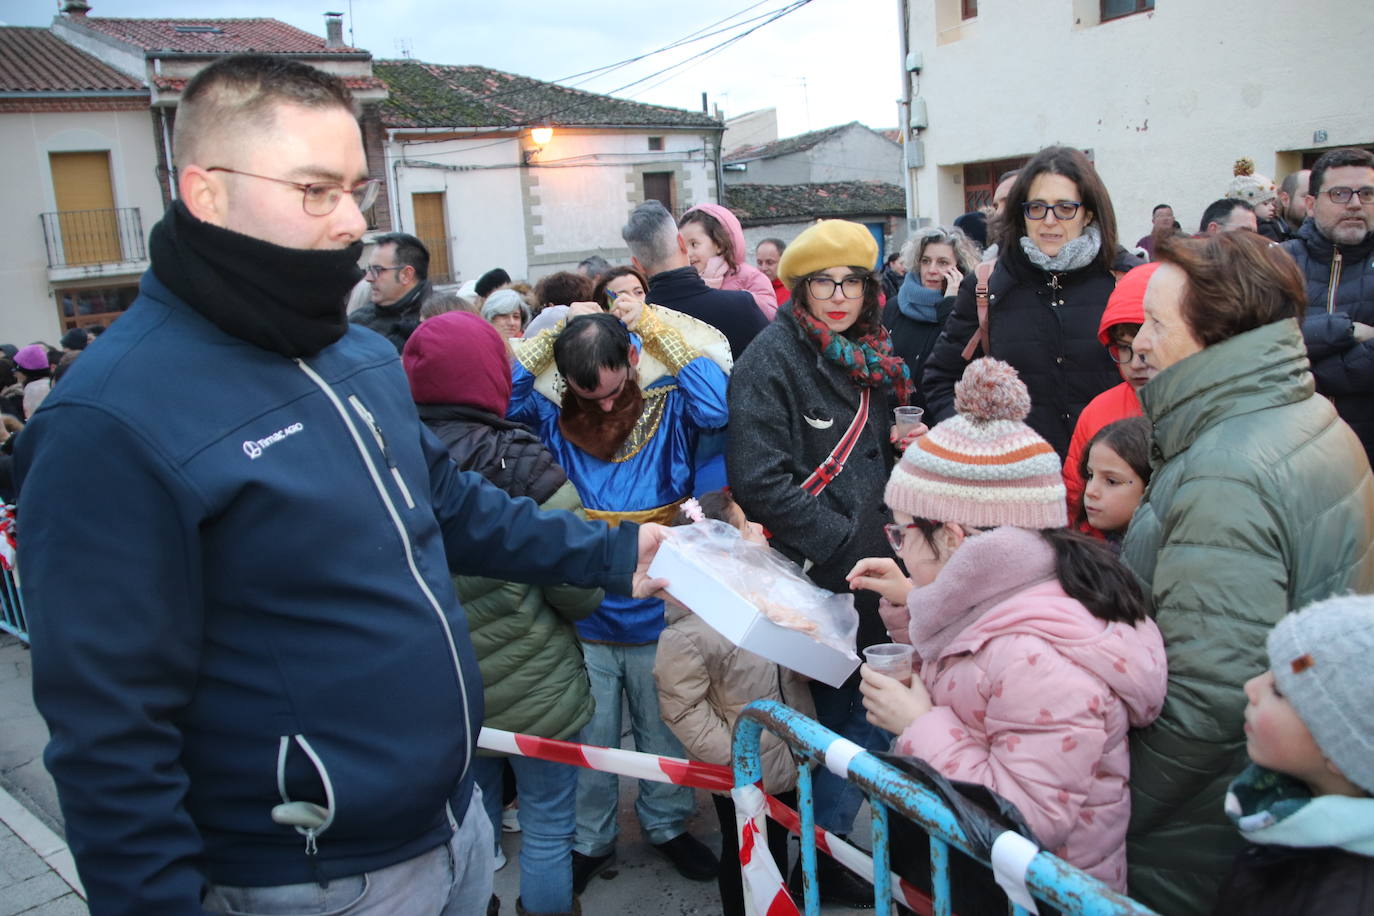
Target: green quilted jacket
1261, 503
532, 668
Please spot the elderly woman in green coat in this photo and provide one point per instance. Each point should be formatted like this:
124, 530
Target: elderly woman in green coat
1261, 503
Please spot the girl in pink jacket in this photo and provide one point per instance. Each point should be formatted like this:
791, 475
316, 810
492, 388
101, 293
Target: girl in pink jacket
715, 247
1036, 654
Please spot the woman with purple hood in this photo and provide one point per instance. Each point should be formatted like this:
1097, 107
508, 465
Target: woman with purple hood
715, 248
533, 676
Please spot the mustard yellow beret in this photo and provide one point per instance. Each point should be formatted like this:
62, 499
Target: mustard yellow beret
829, 243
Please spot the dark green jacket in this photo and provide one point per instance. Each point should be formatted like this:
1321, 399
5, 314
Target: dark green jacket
1261, 503
532, 668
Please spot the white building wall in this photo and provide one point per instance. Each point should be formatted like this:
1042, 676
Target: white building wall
570, 202
480, 179
858, 154
1166, 101
26, 139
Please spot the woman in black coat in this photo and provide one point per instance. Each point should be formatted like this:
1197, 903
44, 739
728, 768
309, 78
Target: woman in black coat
1057, 248
936, 261
801, 386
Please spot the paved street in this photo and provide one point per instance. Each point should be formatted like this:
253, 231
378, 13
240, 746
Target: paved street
37, 877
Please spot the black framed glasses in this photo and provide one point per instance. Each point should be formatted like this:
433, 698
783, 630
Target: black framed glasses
1343, 195
376, 270
1120, 353
1064, 210
319, 198
824, 287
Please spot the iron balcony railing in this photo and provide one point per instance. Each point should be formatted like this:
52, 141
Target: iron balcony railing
78, 238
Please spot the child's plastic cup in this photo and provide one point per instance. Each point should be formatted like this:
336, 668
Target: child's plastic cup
892, 659
906, 419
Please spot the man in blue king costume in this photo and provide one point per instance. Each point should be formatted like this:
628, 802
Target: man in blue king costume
623, 415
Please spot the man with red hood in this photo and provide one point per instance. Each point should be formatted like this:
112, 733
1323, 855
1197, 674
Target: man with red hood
1121, 319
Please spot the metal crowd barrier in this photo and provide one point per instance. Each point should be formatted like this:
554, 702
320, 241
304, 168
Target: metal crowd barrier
12, 619
1039, 873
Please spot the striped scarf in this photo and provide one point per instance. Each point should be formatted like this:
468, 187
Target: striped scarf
869, 360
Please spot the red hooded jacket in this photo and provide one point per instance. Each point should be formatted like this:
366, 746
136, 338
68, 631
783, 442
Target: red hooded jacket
1126, 305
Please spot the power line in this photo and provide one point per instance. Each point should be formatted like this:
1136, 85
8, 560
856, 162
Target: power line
699, 35
776, 15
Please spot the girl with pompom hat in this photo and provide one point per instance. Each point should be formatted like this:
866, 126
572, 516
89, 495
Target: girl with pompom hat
1035, 652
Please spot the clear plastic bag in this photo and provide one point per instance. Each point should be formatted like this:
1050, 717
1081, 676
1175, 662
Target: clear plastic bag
770, 582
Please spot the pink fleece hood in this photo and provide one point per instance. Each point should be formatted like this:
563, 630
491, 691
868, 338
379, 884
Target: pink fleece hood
732, 226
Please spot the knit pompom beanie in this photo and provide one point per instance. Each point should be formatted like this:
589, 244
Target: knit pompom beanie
1248, 185
983, 467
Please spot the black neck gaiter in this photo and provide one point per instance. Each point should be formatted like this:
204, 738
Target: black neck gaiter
286, 300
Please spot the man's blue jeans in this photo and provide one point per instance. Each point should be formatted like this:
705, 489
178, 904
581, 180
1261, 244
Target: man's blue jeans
452, 879
841, 709
663, 809
548, 819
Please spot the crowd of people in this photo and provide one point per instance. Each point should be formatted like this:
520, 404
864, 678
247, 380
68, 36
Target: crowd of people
1128, 546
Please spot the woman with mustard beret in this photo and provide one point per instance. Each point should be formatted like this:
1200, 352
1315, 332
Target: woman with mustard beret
811, 404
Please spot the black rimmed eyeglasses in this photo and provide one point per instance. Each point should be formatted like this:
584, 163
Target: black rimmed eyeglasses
824, 287
1037, 209
1343, 195
1120, 353
319, 198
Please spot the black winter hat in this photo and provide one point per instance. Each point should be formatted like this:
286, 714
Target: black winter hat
490, 281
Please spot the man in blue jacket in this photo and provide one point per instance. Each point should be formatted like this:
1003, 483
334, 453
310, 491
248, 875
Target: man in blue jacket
631, 451
237, 548
1335, 249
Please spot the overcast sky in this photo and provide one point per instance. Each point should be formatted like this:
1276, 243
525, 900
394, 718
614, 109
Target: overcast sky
829, 62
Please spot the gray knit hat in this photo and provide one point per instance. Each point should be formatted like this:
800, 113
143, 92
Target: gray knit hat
1320, 658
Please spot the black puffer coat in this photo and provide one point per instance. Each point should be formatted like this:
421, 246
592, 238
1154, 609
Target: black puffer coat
1045, 325
1343, 366
502, 451
788, 409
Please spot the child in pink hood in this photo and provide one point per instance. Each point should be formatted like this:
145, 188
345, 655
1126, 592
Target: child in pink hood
1036, 653
715, 247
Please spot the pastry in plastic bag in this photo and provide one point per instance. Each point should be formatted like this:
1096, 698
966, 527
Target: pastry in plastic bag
770, 582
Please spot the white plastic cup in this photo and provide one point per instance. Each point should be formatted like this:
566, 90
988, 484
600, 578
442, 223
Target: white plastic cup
892, 659
906, 419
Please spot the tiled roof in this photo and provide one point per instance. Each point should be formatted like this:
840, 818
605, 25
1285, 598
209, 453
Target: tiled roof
798, 143
354, 83
786, 145
757, 204
891, 133
437, 95
211, 36
35, 60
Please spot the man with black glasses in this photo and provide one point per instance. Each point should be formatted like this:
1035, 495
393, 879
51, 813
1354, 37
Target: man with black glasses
398, 273
1335, 249
260, 687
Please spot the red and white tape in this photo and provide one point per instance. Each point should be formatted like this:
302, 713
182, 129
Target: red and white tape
611, 760
717, 778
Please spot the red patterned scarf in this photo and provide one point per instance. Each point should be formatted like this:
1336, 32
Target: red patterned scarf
868, 360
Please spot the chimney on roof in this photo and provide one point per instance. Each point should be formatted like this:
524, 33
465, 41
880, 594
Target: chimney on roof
77, 9
333, 30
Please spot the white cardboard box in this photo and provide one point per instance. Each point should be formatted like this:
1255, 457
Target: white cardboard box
743, 624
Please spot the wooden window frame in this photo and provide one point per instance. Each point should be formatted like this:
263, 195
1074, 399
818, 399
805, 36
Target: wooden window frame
968, 9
